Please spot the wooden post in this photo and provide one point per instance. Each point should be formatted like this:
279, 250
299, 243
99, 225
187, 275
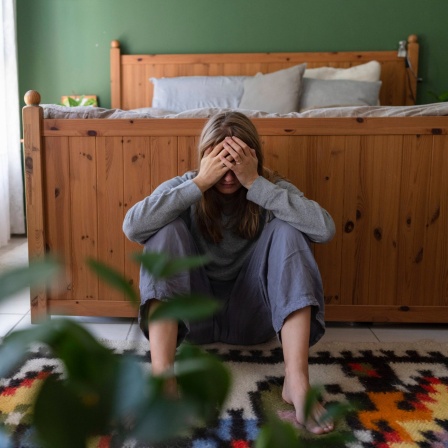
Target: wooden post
32, 115
412, 70
115, 74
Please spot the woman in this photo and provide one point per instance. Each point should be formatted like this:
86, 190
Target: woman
255, 228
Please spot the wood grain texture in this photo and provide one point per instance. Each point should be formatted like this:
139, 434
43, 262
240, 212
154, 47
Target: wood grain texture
386, 189
34, 154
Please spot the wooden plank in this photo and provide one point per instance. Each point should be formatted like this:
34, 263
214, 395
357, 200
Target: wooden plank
265, 126
328, 175
58, 212
110, 202
414, 261
284, 58
354, 252
436, 244
34, 190
84, 213
383, 174
187, 154
134, 83
115, 75
163, 160
103, 308
137, 185
385, 313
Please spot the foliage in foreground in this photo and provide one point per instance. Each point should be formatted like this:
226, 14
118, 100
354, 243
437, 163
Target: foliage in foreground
105, 393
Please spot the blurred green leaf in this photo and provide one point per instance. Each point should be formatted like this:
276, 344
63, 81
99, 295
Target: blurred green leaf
160, 265
277, 433
335, 411
164, 419
14, 347
38, 273
312, 397
193, 307
59, 416
131, 390
72, 102
203, 379
114, 279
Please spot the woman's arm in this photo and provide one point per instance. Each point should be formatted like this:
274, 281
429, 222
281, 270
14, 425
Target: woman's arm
289, 204
166, 203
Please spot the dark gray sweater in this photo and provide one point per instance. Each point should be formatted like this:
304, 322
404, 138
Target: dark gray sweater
178, 197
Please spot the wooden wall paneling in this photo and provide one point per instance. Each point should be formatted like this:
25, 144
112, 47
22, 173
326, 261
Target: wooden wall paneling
163, 159
187, 154
110, 190
84, 209
137, 185
355, 249
436, 246
328, 156
414, 261
58, 213
384, 172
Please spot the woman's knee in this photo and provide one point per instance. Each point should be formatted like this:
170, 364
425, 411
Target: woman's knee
174, 238
285, 233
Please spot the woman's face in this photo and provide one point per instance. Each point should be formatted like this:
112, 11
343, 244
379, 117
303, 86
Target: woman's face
228, 184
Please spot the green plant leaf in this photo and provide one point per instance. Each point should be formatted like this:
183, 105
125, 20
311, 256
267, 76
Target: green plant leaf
37, 273
131, 389
164, 419
59, 416
72, 102
193, 307
160, 265
277, 433
202, 379
312, 398
114, 279
14, 348
443, 96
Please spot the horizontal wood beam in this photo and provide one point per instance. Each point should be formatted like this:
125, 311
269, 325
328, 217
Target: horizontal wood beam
265, 126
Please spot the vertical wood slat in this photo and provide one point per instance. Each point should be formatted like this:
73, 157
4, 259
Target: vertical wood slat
163, 160
187, 150
84, 213
137, 185
412, 70
328, 163
58, 212
115, 75
385, 155
413, 263
34, 190
110, 210
353, 229
436, 258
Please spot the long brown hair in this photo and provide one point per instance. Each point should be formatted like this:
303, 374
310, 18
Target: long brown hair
245, 219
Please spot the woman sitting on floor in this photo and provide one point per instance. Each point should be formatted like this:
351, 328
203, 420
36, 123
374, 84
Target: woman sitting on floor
256, 229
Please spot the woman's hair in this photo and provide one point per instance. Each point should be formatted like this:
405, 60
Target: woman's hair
245, 219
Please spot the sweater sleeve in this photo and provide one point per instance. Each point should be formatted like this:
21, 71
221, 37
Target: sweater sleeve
289, 204
167, 202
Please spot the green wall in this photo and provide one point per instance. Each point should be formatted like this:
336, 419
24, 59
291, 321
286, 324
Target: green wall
64, 44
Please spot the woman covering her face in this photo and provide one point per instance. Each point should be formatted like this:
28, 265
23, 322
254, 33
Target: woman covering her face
255, 228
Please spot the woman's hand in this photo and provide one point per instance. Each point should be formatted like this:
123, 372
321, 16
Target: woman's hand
241, 159
211, 168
